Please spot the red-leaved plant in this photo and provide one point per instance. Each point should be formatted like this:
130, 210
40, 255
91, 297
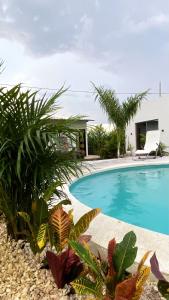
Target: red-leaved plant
65, 267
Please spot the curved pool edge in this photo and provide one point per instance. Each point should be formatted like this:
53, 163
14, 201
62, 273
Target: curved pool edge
104, 227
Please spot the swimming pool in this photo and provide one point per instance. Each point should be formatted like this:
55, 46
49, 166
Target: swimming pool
136, 195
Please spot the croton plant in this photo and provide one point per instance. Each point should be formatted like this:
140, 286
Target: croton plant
88, 274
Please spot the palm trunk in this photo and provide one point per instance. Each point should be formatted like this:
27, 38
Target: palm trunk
118, 149
118, 143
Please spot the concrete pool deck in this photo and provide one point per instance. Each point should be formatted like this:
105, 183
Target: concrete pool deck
104, 228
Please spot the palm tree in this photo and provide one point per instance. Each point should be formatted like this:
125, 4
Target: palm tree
118, 113
31, 153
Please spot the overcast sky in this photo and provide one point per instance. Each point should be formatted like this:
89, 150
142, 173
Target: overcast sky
122, 44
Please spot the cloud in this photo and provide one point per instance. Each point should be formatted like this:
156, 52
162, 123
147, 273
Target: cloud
153, 22
119, 44
90, 28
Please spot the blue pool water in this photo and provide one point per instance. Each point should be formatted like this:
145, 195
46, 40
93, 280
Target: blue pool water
137, 195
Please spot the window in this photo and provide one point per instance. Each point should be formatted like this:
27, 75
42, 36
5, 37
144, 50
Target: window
141, 129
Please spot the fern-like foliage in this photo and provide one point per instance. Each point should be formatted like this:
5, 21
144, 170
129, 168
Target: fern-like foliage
33, 163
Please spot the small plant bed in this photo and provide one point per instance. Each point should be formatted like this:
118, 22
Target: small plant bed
22, 277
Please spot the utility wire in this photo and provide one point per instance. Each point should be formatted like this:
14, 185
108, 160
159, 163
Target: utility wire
79, 91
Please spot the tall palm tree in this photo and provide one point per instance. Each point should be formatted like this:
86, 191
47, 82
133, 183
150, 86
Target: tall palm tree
118, 113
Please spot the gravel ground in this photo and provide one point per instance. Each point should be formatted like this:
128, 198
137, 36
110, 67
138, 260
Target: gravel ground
21, 278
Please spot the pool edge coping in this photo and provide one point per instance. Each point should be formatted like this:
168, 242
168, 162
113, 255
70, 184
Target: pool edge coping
146, 239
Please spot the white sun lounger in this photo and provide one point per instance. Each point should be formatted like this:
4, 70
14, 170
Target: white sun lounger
151, 144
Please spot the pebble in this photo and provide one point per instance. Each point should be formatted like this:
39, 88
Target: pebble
21, 278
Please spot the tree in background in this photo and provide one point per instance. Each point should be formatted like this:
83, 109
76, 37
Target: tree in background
118, 113
109, 149
104, 143
97, 137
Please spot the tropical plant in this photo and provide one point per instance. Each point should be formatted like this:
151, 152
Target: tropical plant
32, 157
97, 138
118, 113
163, 284
64, 228
65, 267
109, 149
56, 226
142, 140
162, 149
109, 280
40, 231
104, 143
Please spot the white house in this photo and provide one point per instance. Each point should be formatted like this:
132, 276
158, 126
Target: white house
153, 114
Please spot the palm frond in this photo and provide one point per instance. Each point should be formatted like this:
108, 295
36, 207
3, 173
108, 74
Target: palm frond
31, 157
109, 103
131, 105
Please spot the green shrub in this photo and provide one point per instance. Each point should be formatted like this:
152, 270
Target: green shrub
104, 143
97, 138
142, 138
162, 149
32, 159
109, 150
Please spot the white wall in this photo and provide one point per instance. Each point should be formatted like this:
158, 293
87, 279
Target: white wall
151, 109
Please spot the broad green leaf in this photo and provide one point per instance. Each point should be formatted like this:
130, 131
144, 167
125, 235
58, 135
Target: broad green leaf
125, 254
163, 287
86, 256
82, 225
42, 235
84, 286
